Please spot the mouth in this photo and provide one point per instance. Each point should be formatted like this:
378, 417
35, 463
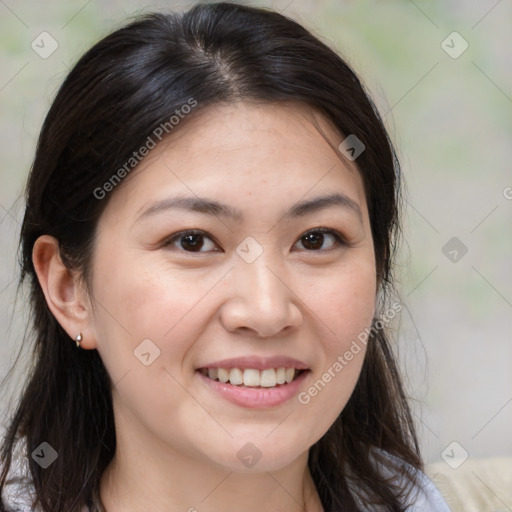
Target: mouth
253, 377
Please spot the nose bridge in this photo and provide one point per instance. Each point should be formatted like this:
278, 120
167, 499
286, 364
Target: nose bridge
265, 280
258, 281
260, 299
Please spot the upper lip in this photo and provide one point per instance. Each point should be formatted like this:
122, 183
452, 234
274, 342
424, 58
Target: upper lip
258, 363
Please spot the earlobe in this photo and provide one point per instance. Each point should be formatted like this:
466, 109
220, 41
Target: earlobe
62, 289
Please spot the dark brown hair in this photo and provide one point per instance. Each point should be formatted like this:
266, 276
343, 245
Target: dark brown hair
124, 87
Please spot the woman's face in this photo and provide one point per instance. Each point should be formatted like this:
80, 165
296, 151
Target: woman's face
239, 247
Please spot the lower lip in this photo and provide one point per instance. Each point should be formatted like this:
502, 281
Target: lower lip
255, 398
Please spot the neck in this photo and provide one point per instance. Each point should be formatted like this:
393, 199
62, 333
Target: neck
131, 484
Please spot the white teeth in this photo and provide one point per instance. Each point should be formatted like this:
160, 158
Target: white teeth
280, 376
236, 376
223, 374
252, 377
268, 378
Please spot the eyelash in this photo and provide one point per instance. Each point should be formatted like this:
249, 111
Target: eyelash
339, 240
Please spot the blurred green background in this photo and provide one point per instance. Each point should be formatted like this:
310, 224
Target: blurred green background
450, 117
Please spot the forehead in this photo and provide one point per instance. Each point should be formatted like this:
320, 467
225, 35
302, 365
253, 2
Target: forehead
243, 153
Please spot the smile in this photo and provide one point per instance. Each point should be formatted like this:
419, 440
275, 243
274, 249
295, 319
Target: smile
252, 377
254, 388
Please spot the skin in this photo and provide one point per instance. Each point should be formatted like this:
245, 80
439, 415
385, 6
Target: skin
177, 440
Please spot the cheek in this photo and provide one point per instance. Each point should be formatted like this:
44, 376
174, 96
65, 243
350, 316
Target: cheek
145, 299
345, 303
345, 307
148, 311
351, 317
138, 300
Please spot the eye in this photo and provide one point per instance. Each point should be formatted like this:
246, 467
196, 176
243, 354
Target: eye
191, 241
198, 241
321, 239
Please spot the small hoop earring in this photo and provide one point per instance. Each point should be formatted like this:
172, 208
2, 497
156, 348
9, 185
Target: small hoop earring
78, 339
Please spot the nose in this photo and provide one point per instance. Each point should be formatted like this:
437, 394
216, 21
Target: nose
261, 300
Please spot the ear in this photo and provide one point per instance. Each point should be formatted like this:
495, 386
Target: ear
63, 290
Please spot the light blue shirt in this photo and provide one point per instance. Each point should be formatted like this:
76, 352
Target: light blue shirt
428, 498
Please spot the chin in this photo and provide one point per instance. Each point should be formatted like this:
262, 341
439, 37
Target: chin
261, 456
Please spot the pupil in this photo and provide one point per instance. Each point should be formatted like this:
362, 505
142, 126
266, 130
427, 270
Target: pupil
193, 242
313, 240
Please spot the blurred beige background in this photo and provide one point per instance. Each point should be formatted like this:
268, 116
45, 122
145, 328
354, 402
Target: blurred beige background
449, 111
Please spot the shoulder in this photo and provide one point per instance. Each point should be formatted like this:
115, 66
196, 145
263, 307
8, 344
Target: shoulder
16, 497
422, 494
18, 492
426, 497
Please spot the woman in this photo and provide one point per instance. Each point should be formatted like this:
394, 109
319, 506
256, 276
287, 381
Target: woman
210, 225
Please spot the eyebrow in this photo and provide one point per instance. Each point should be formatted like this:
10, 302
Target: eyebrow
217, 209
